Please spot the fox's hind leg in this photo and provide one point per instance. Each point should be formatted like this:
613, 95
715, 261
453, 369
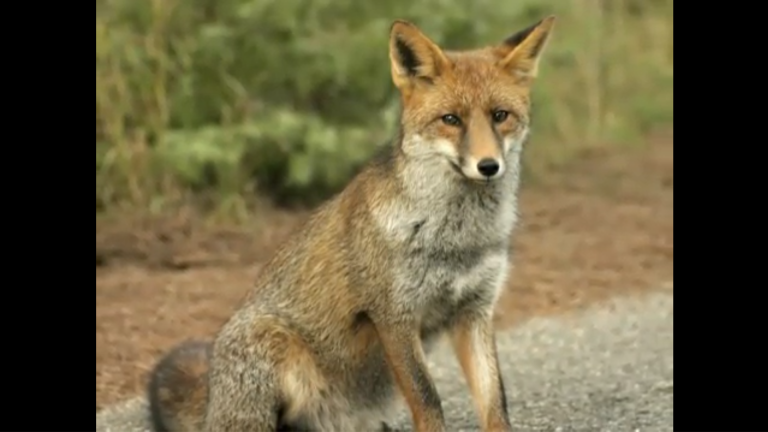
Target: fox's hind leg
262, 375
241, 399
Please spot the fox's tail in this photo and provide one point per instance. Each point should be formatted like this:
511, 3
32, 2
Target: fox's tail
178, 388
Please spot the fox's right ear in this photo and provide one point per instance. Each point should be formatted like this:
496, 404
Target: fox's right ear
414, 57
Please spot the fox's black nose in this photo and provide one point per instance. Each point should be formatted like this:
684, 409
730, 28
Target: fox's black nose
488, 167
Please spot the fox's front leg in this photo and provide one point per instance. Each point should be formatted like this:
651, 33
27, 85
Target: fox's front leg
405, 357
475, 346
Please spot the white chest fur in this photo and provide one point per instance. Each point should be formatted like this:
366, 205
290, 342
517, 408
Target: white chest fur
450, 252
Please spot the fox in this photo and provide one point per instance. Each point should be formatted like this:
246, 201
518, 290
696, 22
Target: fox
416, 248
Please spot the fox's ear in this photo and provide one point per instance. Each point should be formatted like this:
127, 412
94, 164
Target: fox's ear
520, 53
414, 57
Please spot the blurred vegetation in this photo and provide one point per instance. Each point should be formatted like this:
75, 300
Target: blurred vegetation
222, 99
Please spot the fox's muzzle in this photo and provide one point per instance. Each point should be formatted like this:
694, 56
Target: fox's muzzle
482, 148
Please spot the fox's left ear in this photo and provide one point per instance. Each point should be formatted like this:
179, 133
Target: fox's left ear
520, 53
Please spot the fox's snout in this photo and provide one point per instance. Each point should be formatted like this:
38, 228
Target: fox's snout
483, 169
480, 150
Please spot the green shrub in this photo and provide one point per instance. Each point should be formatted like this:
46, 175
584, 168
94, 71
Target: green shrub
204, 96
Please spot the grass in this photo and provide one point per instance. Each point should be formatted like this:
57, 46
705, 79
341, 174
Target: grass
216, 101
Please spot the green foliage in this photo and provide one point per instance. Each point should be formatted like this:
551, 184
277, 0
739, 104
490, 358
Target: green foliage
217, 96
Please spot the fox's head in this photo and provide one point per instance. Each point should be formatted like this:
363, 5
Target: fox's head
469, 107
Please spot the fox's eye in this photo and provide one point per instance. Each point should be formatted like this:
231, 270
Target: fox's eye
500, 115
451, 120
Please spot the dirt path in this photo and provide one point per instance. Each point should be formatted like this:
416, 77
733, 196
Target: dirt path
599, 228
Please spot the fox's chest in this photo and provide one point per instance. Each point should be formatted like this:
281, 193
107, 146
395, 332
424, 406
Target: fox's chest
452, 254
442, 284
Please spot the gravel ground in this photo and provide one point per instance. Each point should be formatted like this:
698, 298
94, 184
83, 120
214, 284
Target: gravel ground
609, 368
